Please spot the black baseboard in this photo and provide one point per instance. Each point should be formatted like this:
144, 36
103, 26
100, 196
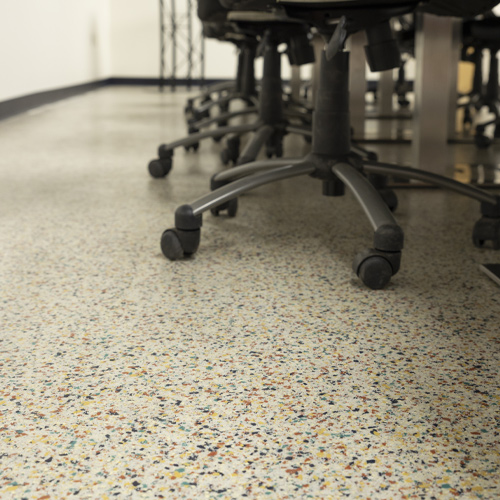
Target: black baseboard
167, 82
25, 103
22, 104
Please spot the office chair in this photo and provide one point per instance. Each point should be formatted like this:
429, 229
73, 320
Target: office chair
331, 160
273, 121
214, 21
214, 18
480, 35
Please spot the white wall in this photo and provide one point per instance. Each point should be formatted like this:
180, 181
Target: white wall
51, 44
135, 38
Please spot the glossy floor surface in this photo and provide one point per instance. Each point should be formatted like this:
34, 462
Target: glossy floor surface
259, 368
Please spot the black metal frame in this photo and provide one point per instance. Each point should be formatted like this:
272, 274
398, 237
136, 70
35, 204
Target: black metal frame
178, 28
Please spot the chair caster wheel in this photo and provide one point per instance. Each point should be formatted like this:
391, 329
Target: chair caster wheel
160, 168
171, 245
482, 141
390, 198
225, 157
189, 107
487, 229
177, 243
231, 152
375, 267
275, 150
467, 119
200, 115
374, 271
193, 147
231, 207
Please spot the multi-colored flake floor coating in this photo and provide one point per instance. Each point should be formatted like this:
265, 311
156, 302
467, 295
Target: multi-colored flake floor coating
261, 367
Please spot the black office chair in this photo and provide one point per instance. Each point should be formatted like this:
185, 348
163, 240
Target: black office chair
215, 25
214, 18
274, 121
331, 160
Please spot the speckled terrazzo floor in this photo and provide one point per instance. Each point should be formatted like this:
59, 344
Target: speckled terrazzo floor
261, 368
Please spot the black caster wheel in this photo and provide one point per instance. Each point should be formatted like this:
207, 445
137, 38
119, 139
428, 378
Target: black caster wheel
375, 272
482, 141
160, 168
274, 150
233, 144
231, 207
467, 121
204, 115
171, 245
225, 156
177, 243
231, 152
404, 103
193, 147
487, 229
189, 107
390, 198
200, 115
